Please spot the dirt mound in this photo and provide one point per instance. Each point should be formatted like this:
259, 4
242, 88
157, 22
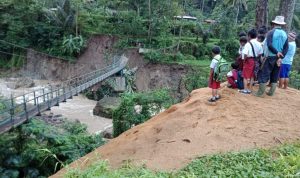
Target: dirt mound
194, 128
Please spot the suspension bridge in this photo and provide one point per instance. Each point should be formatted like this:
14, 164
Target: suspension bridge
17, 110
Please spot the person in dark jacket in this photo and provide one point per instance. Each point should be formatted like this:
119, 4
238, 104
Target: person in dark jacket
277, 47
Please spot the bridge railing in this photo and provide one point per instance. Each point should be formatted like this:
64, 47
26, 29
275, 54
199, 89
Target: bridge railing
15, 110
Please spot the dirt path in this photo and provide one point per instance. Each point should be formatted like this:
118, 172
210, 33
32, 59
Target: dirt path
194, 128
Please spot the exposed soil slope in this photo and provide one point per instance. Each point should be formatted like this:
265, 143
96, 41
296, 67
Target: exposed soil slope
194, 128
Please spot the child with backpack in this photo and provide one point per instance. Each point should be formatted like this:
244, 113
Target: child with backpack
217, 68
232, 76
251, 52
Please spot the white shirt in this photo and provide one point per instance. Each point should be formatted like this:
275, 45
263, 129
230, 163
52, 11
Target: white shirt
229, 74
241, 49
215, 61
257, 48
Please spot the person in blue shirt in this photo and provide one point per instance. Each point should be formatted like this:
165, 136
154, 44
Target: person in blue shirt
276, 49
287, 62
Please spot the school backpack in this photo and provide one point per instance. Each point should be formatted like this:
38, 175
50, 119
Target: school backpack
221, 70
240, 81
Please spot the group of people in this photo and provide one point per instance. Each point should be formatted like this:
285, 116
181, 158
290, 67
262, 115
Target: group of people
264, 58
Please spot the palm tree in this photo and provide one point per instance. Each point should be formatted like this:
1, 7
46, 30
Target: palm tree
62, 15
237, 4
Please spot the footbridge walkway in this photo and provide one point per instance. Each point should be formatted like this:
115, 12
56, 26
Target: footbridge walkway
16, 110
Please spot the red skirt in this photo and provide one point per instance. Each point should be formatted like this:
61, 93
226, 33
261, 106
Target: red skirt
239, 61
248, 68
212, 83
231, 81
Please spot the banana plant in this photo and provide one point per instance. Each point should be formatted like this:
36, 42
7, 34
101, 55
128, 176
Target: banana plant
72, 44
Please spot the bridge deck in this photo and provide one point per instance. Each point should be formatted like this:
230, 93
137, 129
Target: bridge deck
19, 109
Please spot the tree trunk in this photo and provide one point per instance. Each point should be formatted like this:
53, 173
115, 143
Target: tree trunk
149, 29
237, 13
180, 33
261, 13
76, 21
286, 9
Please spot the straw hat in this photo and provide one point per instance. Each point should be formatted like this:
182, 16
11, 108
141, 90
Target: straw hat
279, 20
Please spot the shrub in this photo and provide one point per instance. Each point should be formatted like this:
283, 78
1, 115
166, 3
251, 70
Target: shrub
154, 56
39, 149
198, 78
151, 103
72, 45
229, 48
295, 80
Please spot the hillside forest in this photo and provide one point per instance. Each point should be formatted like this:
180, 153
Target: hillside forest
174, 31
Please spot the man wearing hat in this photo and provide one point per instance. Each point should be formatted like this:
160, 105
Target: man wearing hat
287, 62
277, 47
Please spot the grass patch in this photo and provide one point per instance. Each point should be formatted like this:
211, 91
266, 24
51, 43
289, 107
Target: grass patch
196, 63
283, 161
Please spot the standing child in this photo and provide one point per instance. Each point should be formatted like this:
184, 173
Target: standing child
287, 62
251, 52
239, 60
232, 76
213, 84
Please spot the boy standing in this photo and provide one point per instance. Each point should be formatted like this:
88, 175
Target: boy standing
287, 62
213, 84
251, 52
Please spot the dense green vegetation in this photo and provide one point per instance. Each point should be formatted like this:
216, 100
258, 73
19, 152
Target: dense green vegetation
149, 103
38, 149
61, 28
283, 161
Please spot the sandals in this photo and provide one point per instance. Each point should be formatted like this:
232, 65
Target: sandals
212, 100
245, 91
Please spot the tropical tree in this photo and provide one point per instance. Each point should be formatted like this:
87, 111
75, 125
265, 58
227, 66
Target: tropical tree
62, 15
286, 9
238, 4
261, 13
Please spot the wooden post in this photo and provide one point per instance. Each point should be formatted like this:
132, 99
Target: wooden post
48, 101
25, 107
34, 99
57, 98
51, 90
64, 93
12, 110
38, 106
44, 98
71, 94
76, 87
